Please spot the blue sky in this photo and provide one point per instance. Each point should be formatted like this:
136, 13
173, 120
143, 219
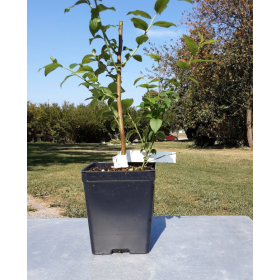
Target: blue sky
50, 32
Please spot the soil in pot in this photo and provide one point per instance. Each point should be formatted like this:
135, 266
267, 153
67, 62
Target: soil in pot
129, 168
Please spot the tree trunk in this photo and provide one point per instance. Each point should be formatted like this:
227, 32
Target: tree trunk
119, 103
249, 118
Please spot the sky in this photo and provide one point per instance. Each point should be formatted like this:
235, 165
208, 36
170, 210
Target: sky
65, 36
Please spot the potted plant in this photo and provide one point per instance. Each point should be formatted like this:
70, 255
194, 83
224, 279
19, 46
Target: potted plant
120, 200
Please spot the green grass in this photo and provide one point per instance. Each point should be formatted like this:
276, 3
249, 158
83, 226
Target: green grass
208, 181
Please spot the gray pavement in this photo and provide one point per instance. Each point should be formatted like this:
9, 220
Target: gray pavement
182, 247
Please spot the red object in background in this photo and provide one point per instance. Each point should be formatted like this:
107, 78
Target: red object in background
168, 138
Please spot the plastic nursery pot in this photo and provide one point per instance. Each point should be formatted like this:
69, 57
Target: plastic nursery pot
119, 208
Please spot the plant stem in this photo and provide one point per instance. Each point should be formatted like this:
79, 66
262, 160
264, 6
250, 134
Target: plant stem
108, 48
77, 75
158, 78
146, 31
119, 88
136, 128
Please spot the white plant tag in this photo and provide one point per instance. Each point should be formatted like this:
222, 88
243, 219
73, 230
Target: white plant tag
160, 156
120, 161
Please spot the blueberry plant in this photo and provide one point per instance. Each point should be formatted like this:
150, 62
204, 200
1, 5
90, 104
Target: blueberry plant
109, 61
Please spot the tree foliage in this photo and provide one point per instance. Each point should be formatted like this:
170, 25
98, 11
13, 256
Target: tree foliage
79, 124
224, 96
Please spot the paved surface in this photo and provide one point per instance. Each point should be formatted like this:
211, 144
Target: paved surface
186, 247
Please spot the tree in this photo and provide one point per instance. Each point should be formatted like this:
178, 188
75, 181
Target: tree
231, 22
225, 93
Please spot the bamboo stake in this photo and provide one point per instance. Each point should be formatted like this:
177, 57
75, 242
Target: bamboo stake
119, 104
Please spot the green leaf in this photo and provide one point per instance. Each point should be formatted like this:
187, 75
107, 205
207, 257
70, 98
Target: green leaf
183, 65
139, 23
139, 13
114, 105
113, 87
126, 48
145, 133
153, 151
84, 68
66, 79
84, 84
147, 86
165, 122
87, 58
209, 42
154, 80
160, 6
130, 133
141, 39
93, 80
102, 8
176, 97
49, 68
202, 60
190, 1
127, 56
95, 93
137, 57
194, 80
126, 103
155, 124
137, 120
101, 68
104, 28
167, 101
161, 135
150, 134
94, 13
107, 91
90, 75
154, 56
93, 103
201, 37
110, 101
53, 59
147, 146
114, 123
164, 24
77, 3
192, 46
73, 65
107, 114
138, 79
153, 99
126, 119
89, 98
95, 37
94, 25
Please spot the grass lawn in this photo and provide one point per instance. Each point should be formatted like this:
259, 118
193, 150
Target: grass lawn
205, 181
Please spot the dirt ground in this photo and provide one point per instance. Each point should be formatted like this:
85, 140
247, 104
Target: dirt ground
42, 209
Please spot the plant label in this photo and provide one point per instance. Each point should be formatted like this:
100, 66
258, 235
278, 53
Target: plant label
120, 161
160, 156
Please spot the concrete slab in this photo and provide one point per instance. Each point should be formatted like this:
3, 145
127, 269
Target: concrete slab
183, 247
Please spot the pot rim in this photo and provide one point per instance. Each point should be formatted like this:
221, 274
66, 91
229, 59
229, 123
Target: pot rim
84, 170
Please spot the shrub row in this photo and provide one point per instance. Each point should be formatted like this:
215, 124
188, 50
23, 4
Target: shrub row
77, 124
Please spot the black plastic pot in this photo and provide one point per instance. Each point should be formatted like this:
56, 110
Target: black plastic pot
119, 208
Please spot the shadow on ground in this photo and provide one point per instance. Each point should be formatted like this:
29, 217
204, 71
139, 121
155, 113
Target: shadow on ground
45, 154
